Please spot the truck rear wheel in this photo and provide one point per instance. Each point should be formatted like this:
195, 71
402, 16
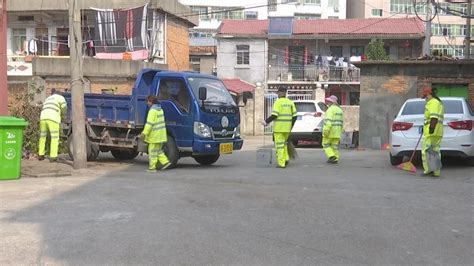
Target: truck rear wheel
171, 151
92, 150
206, 159
124, 154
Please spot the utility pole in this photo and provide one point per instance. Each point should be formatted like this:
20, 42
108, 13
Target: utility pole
77, 88
427, 42
3, 59
467, 39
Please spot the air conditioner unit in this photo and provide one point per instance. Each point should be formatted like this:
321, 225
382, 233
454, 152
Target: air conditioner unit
288, 76
323, 77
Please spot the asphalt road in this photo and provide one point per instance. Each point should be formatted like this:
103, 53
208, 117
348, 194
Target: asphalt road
361, 212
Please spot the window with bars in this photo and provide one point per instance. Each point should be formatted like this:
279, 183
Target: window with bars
272, 5
333, 3
243, 54
406, 7
448, 30
454, 50
202, 11
18, 38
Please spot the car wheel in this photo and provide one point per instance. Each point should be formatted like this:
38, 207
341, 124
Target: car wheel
396, 160
470, 161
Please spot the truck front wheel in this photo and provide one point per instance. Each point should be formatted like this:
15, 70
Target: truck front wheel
124, 154
206, 159
171, 151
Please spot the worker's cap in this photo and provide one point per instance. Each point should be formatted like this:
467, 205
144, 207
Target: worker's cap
281, 89
332, 98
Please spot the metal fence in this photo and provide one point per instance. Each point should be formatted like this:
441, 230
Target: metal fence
314, 73
271, 96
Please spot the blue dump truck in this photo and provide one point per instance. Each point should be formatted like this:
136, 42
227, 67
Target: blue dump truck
202, 119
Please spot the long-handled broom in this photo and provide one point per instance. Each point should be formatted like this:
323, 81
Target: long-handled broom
409, 166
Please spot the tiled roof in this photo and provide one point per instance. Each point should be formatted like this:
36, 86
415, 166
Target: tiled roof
390, 26
371, 26
238, 86
244, 27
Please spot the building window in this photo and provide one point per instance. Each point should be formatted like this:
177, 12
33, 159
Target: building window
221, 13
454, 50
18, 38
202, 11
272, 5
357, 50
251, 15
354, 98
307, 16
406, 6
448, 30
243, 54
333, 4
312, 2
376, 12
335, 51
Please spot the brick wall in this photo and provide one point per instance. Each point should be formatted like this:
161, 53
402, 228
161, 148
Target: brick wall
428, 82
177, 46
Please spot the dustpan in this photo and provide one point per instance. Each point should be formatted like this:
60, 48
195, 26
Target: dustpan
409, 166
266, 156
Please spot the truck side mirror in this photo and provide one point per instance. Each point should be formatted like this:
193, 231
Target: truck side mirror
202, 93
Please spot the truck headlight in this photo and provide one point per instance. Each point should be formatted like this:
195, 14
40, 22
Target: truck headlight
202, 130
237, 131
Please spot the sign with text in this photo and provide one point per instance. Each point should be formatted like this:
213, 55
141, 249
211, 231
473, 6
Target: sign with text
280, 26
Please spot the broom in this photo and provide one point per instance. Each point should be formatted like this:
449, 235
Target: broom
292, 151
409, 166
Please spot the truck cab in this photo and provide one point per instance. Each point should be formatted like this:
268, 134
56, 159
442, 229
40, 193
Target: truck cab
201, 116
202, 119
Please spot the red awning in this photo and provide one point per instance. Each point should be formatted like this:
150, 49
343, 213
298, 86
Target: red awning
238, 86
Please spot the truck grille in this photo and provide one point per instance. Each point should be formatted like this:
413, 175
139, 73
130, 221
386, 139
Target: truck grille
219, 133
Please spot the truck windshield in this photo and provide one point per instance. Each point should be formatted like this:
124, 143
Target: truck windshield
216, 91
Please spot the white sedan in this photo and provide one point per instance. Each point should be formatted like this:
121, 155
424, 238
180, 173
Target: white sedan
458, 137
309, 123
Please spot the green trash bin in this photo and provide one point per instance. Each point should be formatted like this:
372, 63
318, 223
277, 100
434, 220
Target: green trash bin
11, 142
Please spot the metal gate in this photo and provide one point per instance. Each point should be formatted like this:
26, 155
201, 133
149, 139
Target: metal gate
271, 96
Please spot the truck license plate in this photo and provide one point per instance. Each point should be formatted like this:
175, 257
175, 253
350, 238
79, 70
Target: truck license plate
226, 148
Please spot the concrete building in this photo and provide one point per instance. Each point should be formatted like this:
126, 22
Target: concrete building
212, 12
315, 55
448, 29
41, 28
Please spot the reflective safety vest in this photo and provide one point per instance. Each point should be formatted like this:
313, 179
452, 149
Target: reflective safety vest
54, 107
333, 122
434, 109
155, 127
284, 109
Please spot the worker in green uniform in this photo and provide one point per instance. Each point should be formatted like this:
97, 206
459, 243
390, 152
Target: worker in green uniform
432, 130
332, 129
284, 115
54, 108
154, 133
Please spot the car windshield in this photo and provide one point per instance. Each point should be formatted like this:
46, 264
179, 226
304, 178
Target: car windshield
216, 91
305, 107
418, 107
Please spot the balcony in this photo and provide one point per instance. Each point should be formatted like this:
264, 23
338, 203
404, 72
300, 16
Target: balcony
313, 73
18, 65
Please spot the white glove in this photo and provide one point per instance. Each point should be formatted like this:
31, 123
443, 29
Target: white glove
264, 123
